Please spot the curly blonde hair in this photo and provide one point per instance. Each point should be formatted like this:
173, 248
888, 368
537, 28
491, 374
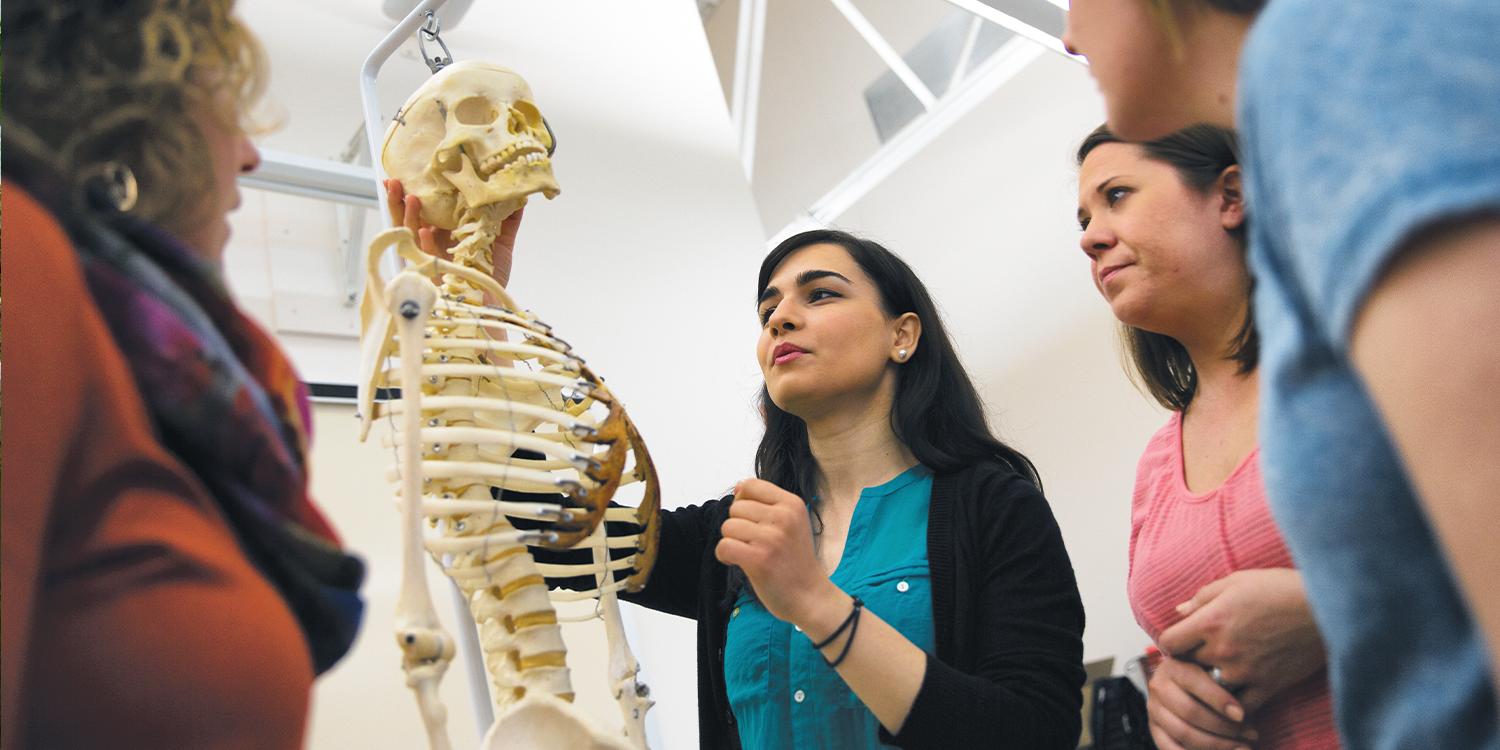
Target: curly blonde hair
90, 82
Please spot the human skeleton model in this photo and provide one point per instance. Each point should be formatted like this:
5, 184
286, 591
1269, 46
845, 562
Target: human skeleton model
480, 380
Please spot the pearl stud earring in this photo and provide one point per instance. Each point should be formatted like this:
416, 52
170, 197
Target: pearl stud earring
901, 354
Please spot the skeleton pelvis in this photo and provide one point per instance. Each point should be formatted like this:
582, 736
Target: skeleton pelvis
544, 722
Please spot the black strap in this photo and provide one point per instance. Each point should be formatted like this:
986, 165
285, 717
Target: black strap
853, 628
850, 623
842, 626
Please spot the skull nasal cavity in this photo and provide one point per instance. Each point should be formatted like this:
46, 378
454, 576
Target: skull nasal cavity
475, 111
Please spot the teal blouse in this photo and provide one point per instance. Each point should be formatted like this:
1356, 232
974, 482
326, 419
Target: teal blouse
782, 692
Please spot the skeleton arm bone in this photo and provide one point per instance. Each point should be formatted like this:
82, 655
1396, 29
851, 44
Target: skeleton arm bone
426, 649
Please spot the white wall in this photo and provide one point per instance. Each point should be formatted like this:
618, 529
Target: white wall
362, 701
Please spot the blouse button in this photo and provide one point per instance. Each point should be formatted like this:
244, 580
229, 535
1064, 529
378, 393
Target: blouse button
799, 696
903, 586
734, 614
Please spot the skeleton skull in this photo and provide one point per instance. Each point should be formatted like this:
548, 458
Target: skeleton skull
469, 138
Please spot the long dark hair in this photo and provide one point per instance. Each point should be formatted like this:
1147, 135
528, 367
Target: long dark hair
1200, 154
936, 412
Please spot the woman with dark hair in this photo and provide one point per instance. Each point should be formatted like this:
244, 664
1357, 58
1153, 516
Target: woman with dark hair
1210, 579
1372, 157
906, 580
894, 573
168, 581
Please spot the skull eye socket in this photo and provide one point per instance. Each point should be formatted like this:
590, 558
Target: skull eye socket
526, 114
476, 110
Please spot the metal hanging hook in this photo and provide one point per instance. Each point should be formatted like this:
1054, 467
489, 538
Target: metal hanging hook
551, 135
432, 32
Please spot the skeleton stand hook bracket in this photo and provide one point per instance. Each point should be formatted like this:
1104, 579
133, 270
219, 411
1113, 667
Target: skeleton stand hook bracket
432, 32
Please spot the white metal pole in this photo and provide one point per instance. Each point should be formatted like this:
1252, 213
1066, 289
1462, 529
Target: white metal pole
1016, 25
323, 179
744, 105
374, 126
966, 53
888, 54
999, 68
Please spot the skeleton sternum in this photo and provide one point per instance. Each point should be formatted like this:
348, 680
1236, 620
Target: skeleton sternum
518, 631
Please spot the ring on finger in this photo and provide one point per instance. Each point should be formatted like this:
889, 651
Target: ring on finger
1217, 675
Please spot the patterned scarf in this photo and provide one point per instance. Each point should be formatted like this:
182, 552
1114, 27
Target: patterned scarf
227, 402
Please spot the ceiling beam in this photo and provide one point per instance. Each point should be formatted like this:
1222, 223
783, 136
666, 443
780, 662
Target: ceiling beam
324, 179
1017, 26
744, 106
887, 53
993, 73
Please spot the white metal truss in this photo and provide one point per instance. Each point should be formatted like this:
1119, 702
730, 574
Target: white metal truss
744, 107
1016, 25
887, 53
1003, 65
323, 179
963, 94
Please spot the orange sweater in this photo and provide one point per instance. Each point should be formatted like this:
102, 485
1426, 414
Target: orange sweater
130, 616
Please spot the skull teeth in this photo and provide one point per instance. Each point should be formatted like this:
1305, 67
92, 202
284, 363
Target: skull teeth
517, 155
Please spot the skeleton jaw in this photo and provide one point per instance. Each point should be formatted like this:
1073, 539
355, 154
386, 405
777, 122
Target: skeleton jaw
506, 178
509, 176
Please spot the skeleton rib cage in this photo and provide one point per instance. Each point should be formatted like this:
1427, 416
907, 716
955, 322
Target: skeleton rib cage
492, 400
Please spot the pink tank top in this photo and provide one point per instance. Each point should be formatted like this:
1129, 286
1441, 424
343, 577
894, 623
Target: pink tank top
1180, 541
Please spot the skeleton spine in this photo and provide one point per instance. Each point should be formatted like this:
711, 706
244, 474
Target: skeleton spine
518, 632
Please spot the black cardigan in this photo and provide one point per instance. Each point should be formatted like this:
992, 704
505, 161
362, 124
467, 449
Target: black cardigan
1007, 615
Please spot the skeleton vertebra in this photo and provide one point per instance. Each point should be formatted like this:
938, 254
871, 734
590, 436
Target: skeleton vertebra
472, 146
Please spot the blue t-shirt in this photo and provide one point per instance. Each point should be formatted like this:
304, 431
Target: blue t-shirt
1362, 122
782, 692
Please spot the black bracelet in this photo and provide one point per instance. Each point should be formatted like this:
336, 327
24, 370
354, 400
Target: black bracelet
849, 643
848, 621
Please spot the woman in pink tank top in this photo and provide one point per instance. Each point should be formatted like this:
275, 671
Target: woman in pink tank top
1210, 579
